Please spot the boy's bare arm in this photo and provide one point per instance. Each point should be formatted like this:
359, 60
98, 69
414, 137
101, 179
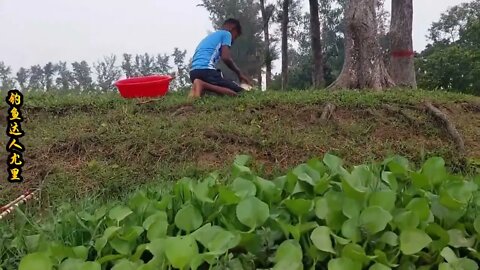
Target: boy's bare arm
227, 59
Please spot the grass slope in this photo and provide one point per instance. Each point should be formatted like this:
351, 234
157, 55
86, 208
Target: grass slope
84, 145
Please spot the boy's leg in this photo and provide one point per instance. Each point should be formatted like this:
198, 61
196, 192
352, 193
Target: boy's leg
200, 86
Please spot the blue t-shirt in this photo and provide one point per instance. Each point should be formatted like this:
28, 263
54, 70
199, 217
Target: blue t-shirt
208, 51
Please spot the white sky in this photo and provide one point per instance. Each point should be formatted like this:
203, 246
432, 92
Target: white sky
38, 31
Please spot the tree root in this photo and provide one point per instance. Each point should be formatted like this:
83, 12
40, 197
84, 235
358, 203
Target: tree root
396, 111
451, 129
327, 112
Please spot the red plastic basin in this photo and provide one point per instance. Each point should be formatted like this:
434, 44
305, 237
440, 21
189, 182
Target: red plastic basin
148, 86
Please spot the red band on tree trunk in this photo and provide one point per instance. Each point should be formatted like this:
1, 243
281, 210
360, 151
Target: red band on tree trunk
403, 53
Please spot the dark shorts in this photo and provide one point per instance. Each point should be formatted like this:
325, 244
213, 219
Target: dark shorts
214, 77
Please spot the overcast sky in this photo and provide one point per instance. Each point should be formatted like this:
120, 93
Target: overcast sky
38, 31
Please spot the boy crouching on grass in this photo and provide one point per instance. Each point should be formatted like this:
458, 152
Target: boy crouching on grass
204, 75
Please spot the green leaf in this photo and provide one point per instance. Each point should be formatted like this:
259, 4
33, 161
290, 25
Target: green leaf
419, 180
157, 247
398, 165
379, 266
354, 184
356, 253
121, 246
390, 179
188, 218
289, 255
202, 190
465, 264
139, 202
351, 208
156, 225
181, 250
374, 219
335, 200
100, 213
92, 266
458, 239
448, 254
242, 160
420, 207
407, 220
334, 163
31, 242
476, 224
448, 216
227, 196
216, 239
119, 213
37, 261
340, 240
413, 241
130, 233
71, 264
456, 195
268, 190
138, 252
125, 264
244, 188
299, 207
438, 233
101, 242
435, 171
343, 264
381, 257
252, 212
77, 264
80, 252
390, 238
384, 199
350, 230
321, 239
306, 174
321, 208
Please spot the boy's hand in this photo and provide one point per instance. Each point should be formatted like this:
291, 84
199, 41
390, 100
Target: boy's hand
245, 79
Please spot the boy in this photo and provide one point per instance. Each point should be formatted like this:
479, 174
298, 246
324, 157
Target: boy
204, 75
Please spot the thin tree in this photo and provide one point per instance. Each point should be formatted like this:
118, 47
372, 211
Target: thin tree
285, 17
267, 13
363, 67
402, 66
317, 78
107, 72
22, 78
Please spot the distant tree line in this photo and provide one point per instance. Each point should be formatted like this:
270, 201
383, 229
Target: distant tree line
81, 76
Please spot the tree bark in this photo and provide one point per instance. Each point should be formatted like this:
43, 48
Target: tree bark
266, 16
318, 78
402, 67
286, 4
363, 67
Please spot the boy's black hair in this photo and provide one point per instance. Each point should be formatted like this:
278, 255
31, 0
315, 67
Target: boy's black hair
236, 23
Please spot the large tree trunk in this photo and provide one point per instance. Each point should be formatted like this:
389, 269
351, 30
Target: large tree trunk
402, 67
266, 15
363, 67
318, 79
286, 4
